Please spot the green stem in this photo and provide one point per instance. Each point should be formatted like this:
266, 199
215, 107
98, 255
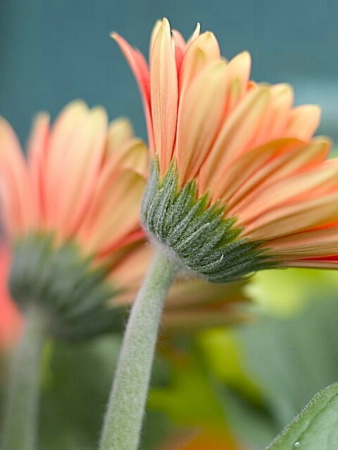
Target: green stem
127, 400
22, 407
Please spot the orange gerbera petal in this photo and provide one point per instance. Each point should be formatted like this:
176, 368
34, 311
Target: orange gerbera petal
37, 157
318, 242
15, 183
236, 134
202, 50
196, 130
141, 72
164, 94
294, 217
110, 218
119, 133
84, 155
303, 121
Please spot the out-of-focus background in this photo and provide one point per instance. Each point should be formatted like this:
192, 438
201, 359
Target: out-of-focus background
53, 51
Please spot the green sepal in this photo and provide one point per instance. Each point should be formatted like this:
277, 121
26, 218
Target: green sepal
73, 296
196, 233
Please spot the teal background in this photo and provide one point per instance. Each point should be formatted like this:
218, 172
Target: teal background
54, 51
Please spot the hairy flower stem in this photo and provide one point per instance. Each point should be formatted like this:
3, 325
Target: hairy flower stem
126, 406
22, 406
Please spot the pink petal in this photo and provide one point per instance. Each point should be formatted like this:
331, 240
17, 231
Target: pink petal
109, 219
20, 205
303, 121
141, 72
37, 156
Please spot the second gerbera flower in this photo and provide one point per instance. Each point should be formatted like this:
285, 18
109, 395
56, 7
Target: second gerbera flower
237, 183
63, 213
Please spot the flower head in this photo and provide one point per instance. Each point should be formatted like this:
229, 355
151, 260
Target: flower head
238, 183
71, 212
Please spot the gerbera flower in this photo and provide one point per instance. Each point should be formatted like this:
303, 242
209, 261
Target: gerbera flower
238, 183
71, 212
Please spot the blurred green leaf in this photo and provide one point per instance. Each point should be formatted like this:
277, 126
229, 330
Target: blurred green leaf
75, 386
316, 427
242, 400
224, 357
76, 381
291, 359
286, 292
190, 398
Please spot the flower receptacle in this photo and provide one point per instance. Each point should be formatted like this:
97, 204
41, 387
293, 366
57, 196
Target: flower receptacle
71, 293
197, 233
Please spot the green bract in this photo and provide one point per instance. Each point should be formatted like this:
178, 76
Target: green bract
72, 295
196, 233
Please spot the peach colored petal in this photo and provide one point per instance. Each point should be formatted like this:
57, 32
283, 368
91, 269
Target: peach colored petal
119, 133
278, 117
195, 33
190, 293
83, 161
140, 69
15, 181
164, 95
303, 121
236, 135
37, 148
129, 272
64, 132
296, 189
202, 50
240, 66
132, 237
180, 48
199, 118
313, 263
257, 164
133, 154
314, 243
109, 219
239, 71
153, 35
294, 158
289, 219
